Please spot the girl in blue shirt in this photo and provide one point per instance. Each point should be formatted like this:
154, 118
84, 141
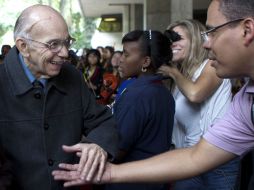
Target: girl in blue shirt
144, 111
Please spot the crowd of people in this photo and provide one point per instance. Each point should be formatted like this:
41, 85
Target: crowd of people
99, 68
162, 114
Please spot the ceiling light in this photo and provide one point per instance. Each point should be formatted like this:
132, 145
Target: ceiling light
109, 19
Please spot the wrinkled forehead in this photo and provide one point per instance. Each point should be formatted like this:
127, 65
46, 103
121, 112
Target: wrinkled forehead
45, 19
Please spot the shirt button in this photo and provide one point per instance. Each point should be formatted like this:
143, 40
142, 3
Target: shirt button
50, 162
46, 126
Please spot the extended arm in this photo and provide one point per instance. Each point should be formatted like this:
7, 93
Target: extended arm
170, 166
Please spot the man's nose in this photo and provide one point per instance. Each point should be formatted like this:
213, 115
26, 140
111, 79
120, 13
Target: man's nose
64, 52
207, 44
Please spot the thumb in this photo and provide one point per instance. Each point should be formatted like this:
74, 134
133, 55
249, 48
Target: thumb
73, 148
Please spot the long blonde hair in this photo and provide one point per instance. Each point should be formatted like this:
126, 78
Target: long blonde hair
197, 54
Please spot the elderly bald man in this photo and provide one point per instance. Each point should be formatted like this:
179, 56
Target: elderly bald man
46, 106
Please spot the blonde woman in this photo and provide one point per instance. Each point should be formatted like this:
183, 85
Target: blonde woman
201, 98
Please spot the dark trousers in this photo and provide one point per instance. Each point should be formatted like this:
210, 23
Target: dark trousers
247, 172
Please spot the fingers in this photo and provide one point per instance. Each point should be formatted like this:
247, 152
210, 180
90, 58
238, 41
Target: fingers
101, 170
92, 164
70, 167
71, 149
71, 176
90, 168
65, 175
162, 69
82, 161
77, 182
85, 162
78, 154
92, 159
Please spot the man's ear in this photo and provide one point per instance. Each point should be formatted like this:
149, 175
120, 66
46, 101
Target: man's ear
22, 46
248, 31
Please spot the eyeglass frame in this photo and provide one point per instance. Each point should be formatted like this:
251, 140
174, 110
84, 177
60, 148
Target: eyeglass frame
67, 43
205, 34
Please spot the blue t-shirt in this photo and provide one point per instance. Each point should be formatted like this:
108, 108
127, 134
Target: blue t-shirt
145, 116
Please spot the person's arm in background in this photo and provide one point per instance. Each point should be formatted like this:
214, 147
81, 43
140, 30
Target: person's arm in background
197, 91
169, 166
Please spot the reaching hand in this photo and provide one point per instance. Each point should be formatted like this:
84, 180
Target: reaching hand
92, 159
72, 177
168, 71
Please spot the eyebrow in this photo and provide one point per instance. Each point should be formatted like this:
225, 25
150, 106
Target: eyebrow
57, 39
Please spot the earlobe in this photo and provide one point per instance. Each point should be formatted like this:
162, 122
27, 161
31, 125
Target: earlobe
147, 61
22, 47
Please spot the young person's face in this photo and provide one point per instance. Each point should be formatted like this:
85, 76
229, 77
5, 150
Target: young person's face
106, 53
116, 59
131, 60
92, 59
227, 45
180, 48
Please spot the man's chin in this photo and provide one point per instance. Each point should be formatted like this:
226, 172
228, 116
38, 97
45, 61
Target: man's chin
52, 74
218, 70
220, 75
45, 77
224, 75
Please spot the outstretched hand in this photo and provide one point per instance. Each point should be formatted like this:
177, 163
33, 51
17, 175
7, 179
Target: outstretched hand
92, 161
72, 177
168, 71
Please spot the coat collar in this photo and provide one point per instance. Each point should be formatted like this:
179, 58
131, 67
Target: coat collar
144, 80
16, 74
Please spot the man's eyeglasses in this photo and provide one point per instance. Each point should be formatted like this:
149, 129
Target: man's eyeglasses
56, 45
205, 35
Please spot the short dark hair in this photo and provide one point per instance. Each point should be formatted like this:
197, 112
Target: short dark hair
6, 46
118, 51
110, 48
153, 44
235, 9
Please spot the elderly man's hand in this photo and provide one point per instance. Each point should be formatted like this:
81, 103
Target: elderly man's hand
92, 160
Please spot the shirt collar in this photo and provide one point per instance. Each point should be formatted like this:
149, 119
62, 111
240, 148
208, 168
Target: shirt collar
28, 73
145, 79
250, 87
16, 74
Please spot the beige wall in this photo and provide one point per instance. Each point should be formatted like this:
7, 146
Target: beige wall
158, 14
161, 12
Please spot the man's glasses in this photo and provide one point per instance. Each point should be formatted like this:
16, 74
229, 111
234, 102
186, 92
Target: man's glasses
205, 35
56, 45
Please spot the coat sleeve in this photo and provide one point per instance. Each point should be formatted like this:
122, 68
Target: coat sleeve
99, 124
